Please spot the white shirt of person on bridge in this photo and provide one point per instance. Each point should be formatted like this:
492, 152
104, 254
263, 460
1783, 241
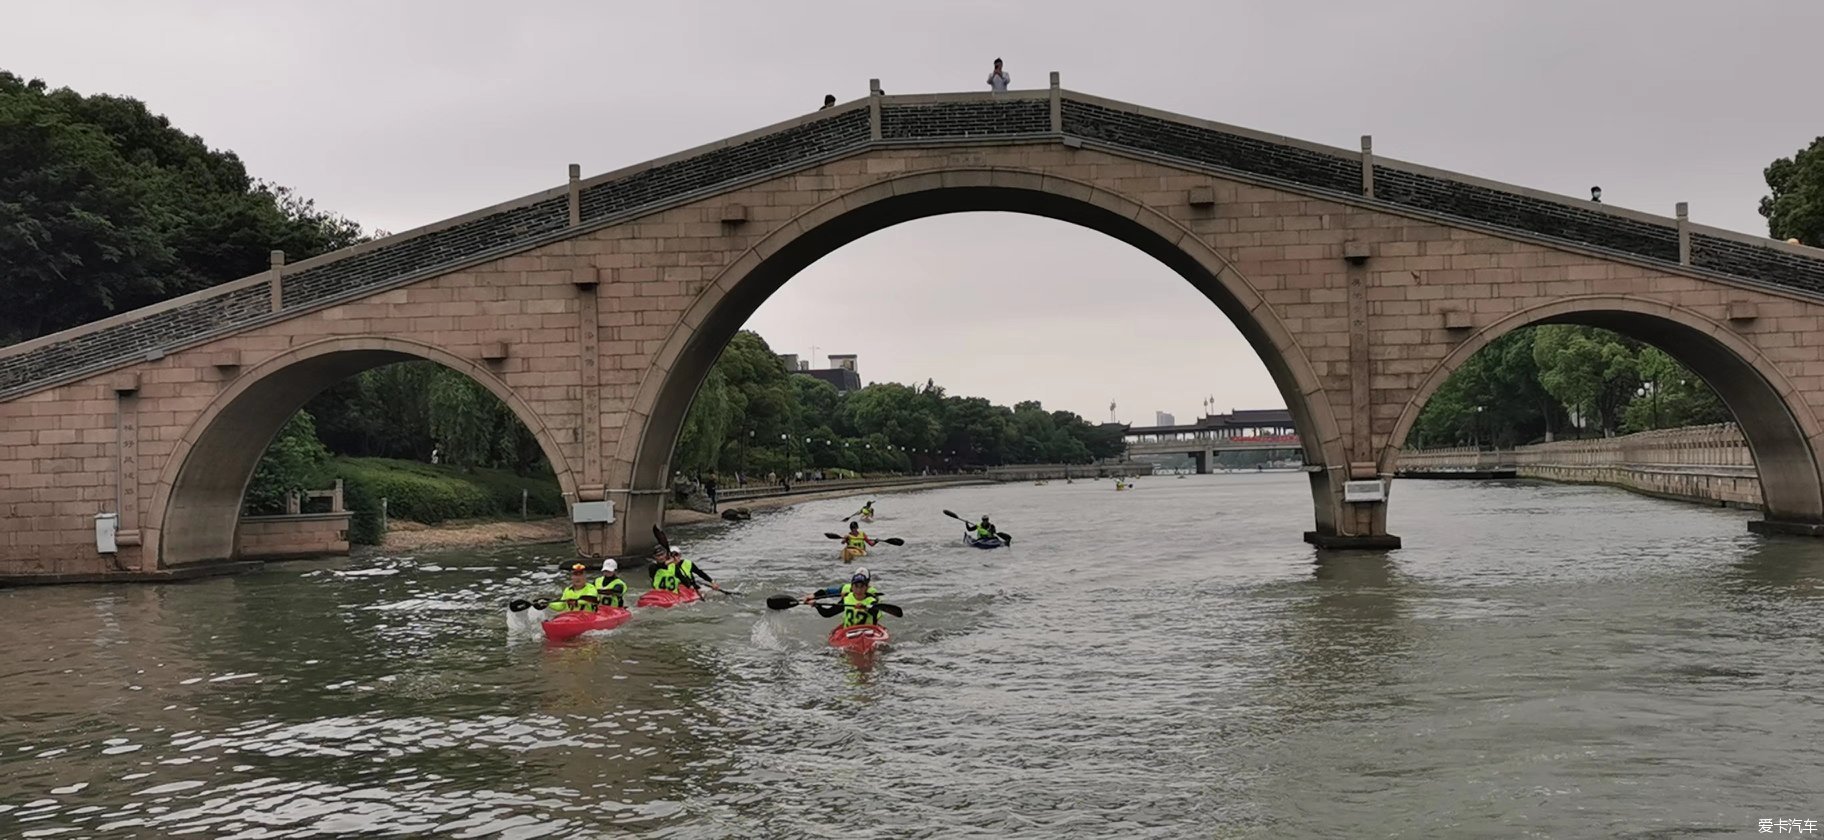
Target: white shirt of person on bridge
997, 81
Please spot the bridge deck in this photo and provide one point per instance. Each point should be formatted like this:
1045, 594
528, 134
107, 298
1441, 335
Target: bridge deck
924, 120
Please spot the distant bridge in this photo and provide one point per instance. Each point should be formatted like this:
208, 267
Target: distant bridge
1250, 430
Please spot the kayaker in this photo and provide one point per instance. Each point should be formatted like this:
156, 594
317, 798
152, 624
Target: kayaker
579, 595
984, 529
860, 600
674, 572
867, 511
610, 590
856, 543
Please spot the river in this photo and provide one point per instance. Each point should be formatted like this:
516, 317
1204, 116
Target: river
1541, 661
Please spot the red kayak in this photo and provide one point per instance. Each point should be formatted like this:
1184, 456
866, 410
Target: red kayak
666, 598
569, 625
861, 638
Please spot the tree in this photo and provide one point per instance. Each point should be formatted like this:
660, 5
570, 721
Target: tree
1493, 398
1593, 372
1795, 206
105, 206
292, 463
1671, 396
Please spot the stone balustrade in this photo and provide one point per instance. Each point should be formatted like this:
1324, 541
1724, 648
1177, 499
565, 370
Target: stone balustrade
1707, 464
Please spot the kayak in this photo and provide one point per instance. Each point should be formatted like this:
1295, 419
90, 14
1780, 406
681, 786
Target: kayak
569, 625
850, 553
991, 542
869, 518
667, 598
861, 638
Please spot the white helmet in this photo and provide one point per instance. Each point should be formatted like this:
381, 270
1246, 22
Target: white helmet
862, 571
609, 565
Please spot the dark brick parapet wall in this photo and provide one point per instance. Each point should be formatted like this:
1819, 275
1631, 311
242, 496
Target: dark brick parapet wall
1191, 145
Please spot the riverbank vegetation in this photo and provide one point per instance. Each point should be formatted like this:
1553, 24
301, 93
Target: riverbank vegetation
1563, 381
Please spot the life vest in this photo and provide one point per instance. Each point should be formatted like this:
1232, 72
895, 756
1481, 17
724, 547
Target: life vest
671, 578
612, 591
574, 594
859, 608
983, 532
858, 540
867, 511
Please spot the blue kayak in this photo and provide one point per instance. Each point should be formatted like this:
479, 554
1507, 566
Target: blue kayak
991, 542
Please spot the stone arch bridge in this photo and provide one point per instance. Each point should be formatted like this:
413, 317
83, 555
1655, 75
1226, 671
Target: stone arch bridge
595, 309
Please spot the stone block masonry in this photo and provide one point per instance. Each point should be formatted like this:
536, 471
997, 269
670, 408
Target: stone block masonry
595, 310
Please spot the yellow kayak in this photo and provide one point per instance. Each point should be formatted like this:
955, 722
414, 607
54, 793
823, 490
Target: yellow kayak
850, 553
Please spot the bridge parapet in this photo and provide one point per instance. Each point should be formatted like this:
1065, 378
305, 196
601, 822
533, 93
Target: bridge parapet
934, 120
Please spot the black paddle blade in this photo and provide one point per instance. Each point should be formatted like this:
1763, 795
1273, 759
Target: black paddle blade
541, 603
659, 534
1006, 538
892, 610
951, 514
781, 602
519, 605
832, 536
828, 610
894, 541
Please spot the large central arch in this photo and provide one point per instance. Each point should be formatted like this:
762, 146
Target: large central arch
670, 383
197, 503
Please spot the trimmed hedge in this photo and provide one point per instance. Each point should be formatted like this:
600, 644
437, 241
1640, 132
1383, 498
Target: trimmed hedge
431, 494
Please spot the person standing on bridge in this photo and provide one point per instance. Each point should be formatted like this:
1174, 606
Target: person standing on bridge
997, 80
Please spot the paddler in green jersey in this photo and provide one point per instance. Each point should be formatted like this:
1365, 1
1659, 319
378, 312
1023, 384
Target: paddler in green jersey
610, 590
860, 600
579, 595
856, 543
671, 572
984, 529
867, 511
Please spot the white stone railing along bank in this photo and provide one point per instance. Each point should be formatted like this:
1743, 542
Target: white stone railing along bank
1709, 464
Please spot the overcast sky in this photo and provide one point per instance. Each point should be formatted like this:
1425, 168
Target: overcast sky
398, 114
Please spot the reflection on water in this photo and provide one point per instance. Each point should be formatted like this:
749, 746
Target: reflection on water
1542, 661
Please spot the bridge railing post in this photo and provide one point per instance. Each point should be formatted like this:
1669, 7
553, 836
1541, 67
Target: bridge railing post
275, 284
576, 195
873, 109
1683, 211
1057, 107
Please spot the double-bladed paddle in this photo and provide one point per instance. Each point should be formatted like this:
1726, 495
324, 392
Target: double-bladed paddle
1006, 538
888, 540
786, 602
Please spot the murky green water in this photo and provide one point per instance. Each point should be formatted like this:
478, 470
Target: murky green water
1171, 662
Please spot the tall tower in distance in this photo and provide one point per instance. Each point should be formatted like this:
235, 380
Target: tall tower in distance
1111, 412
1164, 418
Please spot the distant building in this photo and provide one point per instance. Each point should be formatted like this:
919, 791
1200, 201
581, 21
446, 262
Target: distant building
841, 373
1164, 418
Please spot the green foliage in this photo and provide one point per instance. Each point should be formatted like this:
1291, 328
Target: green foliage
752, 416
1670, 396
430, 494
105, 207
293, 463
1795, 206
1556, 378
406, 410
